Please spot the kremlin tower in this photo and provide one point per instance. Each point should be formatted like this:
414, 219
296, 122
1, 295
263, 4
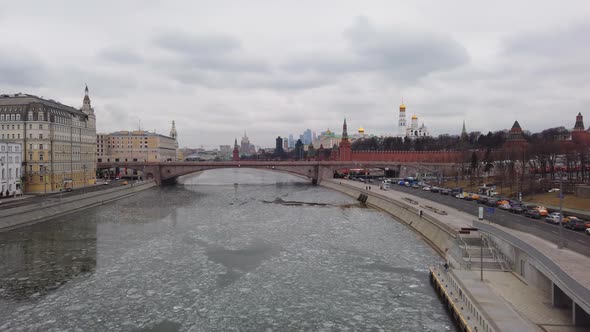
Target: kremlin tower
345, 149
236, 153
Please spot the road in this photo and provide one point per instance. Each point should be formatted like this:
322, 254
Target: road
499, 215
9, 203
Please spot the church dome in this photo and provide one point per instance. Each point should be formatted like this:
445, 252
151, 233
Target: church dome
361, 130
402, 107
414, 117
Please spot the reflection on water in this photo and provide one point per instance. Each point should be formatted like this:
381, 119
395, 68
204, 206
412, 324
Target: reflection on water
34, 260
212, 254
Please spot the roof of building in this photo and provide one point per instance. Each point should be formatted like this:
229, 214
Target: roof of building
516, 127
22, 99
135, 133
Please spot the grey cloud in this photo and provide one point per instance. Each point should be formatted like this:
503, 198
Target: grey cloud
401, 54
20, 68
569, 41
208, 53
120, 55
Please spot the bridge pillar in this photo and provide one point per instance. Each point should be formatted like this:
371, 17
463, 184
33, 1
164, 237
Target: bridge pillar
580, 317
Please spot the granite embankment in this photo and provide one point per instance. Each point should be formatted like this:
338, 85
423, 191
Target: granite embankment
54, 207
438, 234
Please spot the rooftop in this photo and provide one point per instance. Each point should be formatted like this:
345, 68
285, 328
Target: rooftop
22, 99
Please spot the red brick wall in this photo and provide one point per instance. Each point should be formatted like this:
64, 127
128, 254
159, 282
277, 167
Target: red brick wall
409, 156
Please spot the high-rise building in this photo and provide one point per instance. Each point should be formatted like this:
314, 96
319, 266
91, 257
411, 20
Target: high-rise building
291, 141
307, 137
58, 141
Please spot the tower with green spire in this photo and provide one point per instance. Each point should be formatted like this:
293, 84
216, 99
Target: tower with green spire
464, 132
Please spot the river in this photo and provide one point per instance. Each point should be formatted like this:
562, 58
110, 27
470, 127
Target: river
230, 249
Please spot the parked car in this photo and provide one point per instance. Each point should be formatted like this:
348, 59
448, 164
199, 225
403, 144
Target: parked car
553, 218
532, 214
516, 208
445, 192
570, 218
456, 191
504, 206
552, 190
542, 210
426, 188
106, 182
435, 189
482, 199
473, 197
502, 201
576, 225
491, 202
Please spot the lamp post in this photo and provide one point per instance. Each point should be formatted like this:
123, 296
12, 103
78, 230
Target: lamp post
560, 243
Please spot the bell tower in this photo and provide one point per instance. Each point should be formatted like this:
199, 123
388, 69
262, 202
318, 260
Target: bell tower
401, 124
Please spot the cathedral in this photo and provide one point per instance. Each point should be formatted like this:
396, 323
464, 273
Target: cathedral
412, 131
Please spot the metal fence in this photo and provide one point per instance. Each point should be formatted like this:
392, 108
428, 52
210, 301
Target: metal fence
577, 292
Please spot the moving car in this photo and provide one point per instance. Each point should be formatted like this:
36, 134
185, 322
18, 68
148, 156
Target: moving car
504, 206
542, 210
435, 189
445, 192
427, 188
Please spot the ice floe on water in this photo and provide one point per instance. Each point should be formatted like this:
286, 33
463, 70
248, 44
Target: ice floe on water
183, 259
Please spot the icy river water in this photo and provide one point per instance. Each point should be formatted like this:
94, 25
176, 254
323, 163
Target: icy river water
225, 250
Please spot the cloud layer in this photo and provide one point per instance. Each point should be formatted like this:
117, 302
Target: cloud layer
274, 70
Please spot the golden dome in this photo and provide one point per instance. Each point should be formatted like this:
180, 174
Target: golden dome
414, 117
361, 130
402, 107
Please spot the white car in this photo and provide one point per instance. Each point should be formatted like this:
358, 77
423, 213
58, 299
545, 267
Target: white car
553, 190
426, 188
587, 231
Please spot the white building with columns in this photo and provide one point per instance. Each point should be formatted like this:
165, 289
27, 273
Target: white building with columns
413, 130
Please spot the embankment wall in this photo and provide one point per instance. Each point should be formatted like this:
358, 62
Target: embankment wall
55, 207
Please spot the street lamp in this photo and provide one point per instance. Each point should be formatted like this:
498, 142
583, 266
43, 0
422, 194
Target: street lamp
560, 243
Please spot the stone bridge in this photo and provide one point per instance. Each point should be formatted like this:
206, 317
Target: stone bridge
315, 171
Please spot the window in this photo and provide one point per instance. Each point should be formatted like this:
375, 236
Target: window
40, 156
41, 178
12, 117
12, 127
40, 146
18, 117
41, 136
18, 136
30, 146
40, 126
18, 127
2, 119
3, 176
30, 126
30, 135
30, 116
13, 136
40, 116
30, 156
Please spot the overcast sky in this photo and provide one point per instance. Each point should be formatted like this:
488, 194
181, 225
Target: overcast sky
219, 68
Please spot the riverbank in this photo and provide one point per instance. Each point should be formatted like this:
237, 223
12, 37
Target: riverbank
503, 310
57, 206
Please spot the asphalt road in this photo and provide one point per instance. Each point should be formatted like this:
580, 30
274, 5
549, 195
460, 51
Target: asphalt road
40, 199
499, 215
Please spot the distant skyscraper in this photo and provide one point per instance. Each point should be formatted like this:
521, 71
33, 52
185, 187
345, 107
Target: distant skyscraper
279, 146
315, 137
291, 141
307, 137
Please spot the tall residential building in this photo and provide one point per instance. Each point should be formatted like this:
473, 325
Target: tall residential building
58, 141
291, 141
139, 145
10, 161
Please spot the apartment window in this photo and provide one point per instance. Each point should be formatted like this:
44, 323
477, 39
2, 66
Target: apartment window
2, 118
18, 127
41, 178
18, 117
12, 127
30, 156
40, 156
30, 116
30, 146
30, 135
12, 119
40, 126
30, 126
40, 116
41, 136
40, 146
18, 136
31, 168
